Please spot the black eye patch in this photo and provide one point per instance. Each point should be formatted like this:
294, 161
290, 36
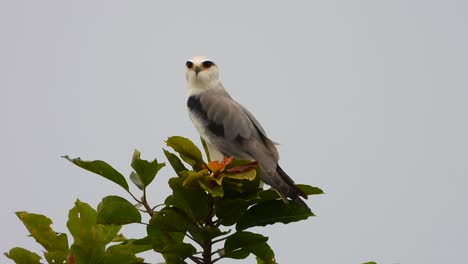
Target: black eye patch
207, 64
189, 64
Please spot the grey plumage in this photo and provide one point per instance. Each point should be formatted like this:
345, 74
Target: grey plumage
231, 130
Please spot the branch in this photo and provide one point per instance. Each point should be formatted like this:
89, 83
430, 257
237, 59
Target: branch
148, 208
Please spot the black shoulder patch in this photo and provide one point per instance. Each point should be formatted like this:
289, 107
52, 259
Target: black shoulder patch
194, 104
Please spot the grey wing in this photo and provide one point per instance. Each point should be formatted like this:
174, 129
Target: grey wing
235, 131
227, 113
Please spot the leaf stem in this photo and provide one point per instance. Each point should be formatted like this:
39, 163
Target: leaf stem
148, 208
216, 259
196, 260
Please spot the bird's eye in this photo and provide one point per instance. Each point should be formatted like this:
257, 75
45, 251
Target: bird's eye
207, 64
189, 64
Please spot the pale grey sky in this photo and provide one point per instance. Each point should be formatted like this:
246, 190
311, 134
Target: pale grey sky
367, 98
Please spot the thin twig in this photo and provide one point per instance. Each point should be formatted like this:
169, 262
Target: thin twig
216, 259
189, 236
196, 260
219, 240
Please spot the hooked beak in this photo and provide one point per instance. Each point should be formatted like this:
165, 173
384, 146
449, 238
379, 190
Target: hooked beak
197, 70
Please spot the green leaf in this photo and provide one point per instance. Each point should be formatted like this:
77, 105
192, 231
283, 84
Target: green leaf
195, 180
39, 227
145, 170
182, 250
175, 162
160, 238
240, 253
136, 180
115, 210
121, 254
270, 212
193, 202
372, 262
191, 178
309, 190
167, 231
204, 234
229, 210
176, 253
101, 168
90, 238
260, 261
248, 242
243, 239
136, 245
171, 219
186, 149
268, 195
211, 186
246, 175
56, 256
23, 256
119, 238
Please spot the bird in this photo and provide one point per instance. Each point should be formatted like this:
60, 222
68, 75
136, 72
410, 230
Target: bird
230, 130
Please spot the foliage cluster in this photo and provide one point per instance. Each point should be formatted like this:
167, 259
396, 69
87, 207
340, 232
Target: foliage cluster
204, 220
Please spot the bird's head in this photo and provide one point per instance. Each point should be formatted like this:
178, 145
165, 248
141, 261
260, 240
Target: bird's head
201, 72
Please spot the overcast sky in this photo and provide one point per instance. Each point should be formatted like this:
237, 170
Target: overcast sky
367, 98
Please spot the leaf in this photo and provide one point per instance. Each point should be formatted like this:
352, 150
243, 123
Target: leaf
248, 242
90, 238
243, 239
229, 210
211, 186
270, 212
191, 178
245, 175
186, 149
175, 162
101, 168
39, 226
121, 254
145, 170
55, 256
260, 261
206, 233
171, 219
243, 168
216, 166
167, 231
115, 210
136, 180
23, 256
193, 202
309, 190
175, 254
135, 245
268, 195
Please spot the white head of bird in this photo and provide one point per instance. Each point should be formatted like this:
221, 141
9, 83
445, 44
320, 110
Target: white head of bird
201, 73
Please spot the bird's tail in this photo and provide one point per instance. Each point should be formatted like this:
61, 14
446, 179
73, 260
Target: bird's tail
291, 190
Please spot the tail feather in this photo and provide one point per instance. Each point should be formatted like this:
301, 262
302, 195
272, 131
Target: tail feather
290, 182
291, 190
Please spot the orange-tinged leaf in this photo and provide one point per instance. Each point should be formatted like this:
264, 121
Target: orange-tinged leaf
216, 166
243, 168
71, 258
